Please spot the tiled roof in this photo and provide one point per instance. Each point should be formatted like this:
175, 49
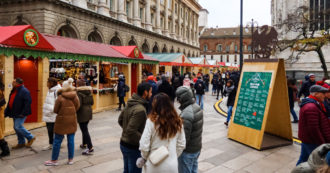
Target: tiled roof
224, 32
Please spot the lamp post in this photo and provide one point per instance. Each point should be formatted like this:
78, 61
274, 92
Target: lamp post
252, 23
241, 40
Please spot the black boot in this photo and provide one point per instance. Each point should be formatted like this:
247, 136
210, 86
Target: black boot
4, 147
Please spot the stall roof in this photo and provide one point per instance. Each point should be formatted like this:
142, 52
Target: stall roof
132, 52
171, 59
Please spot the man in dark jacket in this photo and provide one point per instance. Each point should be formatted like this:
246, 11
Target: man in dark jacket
18, 108
165, 87
230, 91
314, 126
200, 92
304, 90
132, 119
192, 117
121, 92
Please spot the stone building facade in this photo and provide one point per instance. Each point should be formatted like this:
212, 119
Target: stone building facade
308, 62
222, 44
153, 25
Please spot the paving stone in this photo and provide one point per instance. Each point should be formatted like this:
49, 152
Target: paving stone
208, 153
204, 166
219, 169
7, 169
70, 168
27, 170
105, 167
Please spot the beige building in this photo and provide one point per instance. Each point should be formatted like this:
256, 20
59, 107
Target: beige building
155, 26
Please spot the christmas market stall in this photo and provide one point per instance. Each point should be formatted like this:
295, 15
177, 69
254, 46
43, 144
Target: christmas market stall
201, 65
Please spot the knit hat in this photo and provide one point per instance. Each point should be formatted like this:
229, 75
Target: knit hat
81, 82
311, 75
67, 83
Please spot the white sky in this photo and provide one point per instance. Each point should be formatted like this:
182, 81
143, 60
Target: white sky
226, 13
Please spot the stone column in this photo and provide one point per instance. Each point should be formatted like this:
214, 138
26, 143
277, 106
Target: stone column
148, 16
179, 22
136, 10
166, 19
173, 20
158, 26
184, 34
115, 8
121, 11
80, 3
103, 8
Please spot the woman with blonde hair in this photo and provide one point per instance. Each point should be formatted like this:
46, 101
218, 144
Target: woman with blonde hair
164, 130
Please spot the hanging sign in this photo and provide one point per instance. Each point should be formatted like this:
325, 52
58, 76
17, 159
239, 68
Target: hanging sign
31, 37
136, 52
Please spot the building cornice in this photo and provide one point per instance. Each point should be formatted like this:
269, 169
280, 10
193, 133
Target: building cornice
95, 14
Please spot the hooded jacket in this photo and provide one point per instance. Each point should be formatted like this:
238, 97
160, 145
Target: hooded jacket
48, 114
85, 112
121, 88
66, 106
166, 88
132, 119
231, 93
192, 116
314, 126
304, 90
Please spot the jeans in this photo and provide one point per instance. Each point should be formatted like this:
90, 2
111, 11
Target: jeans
206, 87
230, 111
86, 139
220, 90
50, 130
130, 156
306, 150
121, 102
199, 100
20, 130
57, 145
188, 162
294, 115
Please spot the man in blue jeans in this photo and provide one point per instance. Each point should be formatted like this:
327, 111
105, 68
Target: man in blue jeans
200, 91
192, 116
230, 91
18, 108
132, 119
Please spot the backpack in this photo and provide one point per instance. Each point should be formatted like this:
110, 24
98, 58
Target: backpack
200, 87
176, 81
126, 88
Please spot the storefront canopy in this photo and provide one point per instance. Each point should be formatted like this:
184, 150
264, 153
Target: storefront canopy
200, 62
26, 41
171, 59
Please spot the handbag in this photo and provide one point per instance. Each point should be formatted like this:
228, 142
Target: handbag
160, 154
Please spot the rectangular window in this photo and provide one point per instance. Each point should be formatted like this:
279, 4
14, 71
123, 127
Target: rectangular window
141, 13
219, 48
176, 8
249, 48
181, 13
152, 19
111, 5
319, 11
162, 2
236, 48
227, 49
169, 4
127, 8
161, 22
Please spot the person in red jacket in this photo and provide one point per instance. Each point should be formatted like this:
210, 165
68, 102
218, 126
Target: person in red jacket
314, 126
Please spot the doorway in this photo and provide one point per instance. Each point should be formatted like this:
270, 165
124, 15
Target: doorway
27, 69
134, 78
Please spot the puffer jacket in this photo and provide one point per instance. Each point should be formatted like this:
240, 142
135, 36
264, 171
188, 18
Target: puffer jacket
85, 112
48, 114
192, 116
314, 126
66, 106
132, 119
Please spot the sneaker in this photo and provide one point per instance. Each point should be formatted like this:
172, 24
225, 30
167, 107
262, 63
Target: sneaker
295, 121
226, 123
118, 109
51, 163
18, 146
70, 162
49, 147
30, 142
83, 146
88, 152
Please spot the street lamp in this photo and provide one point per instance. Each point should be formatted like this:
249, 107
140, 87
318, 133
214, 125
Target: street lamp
241, 39
252, 23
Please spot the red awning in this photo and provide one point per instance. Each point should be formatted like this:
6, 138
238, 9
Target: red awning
75, 46
23, 36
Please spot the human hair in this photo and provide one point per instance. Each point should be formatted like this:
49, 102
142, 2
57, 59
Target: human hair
324, 169
167, 121
144, 86
231, 82
52, 81
19, 80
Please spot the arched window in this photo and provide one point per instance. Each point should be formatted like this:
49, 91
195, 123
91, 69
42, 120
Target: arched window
95, 37
205, 47
115, 41
172, 50
164, 50
219, 48
145, 48
155, 49
67, 31
132, 43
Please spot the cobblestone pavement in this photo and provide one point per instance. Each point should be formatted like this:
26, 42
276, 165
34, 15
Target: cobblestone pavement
219, 154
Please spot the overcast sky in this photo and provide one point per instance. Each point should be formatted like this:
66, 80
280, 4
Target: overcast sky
226, 13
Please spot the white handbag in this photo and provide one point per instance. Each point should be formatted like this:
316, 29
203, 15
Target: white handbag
159, 155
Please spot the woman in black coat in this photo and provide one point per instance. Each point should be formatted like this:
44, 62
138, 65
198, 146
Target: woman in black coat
165, 87
121, 93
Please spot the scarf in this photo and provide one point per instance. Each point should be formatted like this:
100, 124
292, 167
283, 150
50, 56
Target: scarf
320, 103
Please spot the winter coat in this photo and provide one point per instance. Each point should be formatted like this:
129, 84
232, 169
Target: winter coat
327, 106
66, 106
150, 141
132, 120
48, 114
291, 97
21, 105
231, 93
121, 88
304, 90
200, 90
166, 88
85, 112
314, 126
186, 82
192, 116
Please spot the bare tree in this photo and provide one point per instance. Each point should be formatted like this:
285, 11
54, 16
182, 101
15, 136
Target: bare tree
308, 39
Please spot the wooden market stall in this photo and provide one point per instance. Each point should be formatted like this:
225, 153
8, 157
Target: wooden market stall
171, 63
26, 53
201, 65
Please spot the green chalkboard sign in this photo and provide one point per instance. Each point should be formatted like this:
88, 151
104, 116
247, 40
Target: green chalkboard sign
252, 99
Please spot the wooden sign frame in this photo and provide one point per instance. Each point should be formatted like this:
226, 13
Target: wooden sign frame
276, 125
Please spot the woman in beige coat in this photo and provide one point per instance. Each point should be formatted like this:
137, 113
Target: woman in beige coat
66, 106
163, 128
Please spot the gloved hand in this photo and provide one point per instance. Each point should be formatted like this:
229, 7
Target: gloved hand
140, 162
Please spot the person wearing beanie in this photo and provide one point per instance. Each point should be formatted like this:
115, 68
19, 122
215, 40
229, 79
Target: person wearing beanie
66, 106
48, 114
304, 90
85, 114
18, 108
